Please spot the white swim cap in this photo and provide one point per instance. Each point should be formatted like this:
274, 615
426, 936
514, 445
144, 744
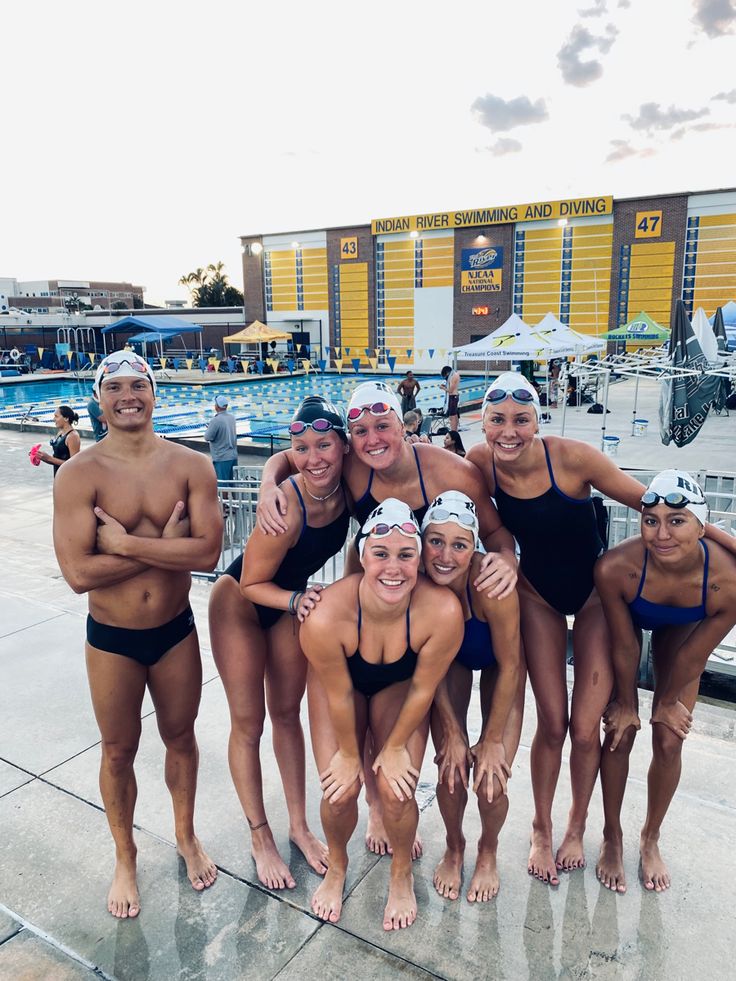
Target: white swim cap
453, 506
511, 382
123, 364
676, 489
389, 516
371, 394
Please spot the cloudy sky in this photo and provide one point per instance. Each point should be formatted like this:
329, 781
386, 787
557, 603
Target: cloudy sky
140, 140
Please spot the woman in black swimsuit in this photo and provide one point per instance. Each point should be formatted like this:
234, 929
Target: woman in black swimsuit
378, 645
253, 612
66, 443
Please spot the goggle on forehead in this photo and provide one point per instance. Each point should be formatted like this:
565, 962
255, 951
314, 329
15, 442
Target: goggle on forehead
299, 427
441, 514
110, 367
383, 529
520, 395
675, 499
376, 409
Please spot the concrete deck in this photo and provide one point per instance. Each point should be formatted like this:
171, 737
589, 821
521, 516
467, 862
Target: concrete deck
56, 853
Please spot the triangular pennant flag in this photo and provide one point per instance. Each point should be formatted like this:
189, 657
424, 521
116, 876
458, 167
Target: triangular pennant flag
189, 362
338, 364
356, 365
299, 348
419, 351
327, 350
290, 365
346, 352
306, 365
430, 352
259, 367
408, 353
337, 351
322, 364
367, 352
273, 364
91, 356
40, 352
373, 362
387, 352
391, 364
163, 362
215, 362
443, 352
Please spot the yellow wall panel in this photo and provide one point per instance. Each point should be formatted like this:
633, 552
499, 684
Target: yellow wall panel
710, 220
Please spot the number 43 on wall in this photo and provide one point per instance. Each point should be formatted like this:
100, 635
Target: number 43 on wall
349, 248
648, 224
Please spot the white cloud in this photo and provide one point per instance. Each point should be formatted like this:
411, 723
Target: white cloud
729, 97
504, 146
715, 17
622, 149
653, 117
574, 70
501, 114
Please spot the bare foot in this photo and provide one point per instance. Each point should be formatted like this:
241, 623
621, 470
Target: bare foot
272, 870
485, 882
654, 872
401, 908
610, 867
570, 854
541, 864
449, 874
314, 850
201, 870
327, 900
123, 899
376, 837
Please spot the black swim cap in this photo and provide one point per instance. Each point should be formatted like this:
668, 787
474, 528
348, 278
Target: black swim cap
315, 407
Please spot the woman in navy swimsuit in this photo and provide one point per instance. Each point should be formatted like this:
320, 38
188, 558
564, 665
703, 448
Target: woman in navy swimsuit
378, 644
491, 644
670, 581
255, 641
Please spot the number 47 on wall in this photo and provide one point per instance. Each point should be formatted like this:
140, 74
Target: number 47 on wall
648, 224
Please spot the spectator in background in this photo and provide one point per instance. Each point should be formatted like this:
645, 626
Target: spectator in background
97, 419
408, 388
451, 386
66, 443
412, 427
223, 440
453, 442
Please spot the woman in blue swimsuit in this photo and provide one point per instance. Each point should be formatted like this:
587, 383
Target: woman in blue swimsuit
255, 643
491, 644
378, 644
670, 581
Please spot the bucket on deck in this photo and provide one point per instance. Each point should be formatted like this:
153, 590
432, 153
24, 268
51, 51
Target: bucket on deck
640, 427
610, 445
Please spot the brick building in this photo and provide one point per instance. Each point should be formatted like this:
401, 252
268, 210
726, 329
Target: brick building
46, 296
418, 285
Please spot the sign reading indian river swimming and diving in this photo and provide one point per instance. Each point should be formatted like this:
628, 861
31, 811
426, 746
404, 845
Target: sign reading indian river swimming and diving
481, 270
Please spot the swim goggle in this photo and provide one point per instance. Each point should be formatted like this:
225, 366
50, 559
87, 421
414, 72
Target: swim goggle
110, 367
675, 499
376, 409
520, 395
382, 529
299, 427
440, 515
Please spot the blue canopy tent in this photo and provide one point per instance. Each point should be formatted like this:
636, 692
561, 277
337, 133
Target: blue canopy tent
165, 328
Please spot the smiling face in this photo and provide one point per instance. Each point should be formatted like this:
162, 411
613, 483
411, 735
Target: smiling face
509, 428
670, 534
319, 458
59, 420
447, 551
126, 402
391, 566
377, 440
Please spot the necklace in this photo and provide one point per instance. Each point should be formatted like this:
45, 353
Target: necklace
326, 497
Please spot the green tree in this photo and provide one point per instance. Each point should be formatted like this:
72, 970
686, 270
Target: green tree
209, 287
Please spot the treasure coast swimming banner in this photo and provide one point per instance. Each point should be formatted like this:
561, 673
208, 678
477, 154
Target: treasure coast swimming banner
481, 270
542, 211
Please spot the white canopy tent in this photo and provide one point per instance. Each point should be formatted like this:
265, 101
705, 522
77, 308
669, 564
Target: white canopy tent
559, 334
512, 341
704, 333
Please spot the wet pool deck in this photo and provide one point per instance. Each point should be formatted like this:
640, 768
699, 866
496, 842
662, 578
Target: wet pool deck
56, 853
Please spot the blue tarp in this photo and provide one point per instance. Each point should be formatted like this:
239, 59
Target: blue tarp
168, 326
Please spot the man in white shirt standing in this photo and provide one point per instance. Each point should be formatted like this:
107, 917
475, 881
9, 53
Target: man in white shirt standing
223, 440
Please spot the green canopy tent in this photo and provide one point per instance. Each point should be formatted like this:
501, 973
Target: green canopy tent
641, 330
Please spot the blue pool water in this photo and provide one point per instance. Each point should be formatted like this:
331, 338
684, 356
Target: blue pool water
261, 408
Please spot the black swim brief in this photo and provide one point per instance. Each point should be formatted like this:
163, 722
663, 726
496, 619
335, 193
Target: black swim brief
147, 647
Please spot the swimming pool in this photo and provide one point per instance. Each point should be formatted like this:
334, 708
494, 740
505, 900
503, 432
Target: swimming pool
261, 407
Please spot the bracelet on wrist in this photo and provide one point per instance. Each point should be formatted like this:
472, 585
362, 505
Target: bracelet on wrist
294, 601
